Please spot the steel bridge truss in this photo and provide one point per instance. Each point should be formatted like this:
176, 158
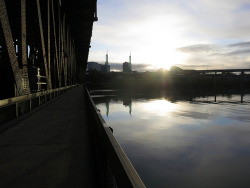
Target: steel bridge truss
34, 35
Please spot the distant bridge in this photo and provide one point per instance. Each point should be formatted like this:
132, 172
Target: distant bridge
215, 71
223, 70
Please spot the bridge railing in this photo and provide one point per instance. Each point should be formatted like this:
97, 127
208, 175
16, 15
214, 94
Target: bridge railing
12, 108
115, 167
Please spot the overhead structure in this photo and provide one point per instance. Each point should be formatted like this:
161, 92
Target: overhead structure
52, 36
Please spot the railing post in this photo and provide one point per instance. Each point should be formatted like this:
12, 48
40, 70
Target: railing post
25, 103
17, 109
30, 103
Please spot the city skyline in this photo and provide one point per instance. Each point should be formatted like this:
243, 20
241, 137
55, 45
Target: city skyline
190, 34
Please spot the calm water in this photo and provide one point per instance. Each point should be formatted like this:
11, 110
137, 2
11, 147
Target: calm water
202, 143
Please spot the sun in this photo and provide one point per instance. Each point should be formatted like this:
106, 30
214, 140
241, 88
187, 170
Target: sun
158, 42
171, 58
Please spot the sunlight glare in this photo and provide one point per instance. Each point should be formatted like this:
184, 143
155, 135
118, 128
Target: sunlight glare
160, 39
153, 42
160, 107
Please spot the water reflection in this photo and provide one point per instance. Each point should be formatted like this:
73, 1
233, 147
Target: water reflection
165, 104
107, 106
160, 106
127, 101
173, 142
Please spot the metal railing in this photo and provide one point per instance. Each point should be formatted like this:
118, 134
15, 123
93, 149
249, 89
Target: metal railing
115, 167
12, 108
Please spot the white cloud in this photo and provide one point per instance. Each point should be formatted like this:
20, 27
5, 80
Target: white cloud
153, 30
213, 56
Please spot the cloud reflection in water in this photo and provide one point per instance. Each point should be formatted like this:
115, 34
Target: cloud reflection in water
184, 144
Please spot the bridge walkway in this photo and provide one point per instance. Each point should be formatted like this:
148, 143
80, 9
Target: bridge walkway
50, 148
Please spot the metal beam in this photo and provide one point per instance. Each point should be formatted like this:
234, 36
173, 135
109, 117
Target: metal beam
49, 65
10, 47
43, 45
60, 44
56, 49
25, 79
64, 61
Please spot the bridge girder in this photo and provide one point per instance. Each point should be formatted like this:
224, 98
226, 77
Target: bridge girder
53, 35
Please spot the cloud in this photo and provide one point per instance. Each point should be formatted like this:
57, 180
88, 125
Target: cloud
215, 50
239, 52
215, 21
198, 48
242, 44
202, 56
194, 66
206, 33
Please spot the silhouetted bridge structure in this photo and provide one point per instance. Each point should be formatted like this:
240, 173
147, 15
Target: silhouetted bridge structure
214, 71
223, 70
51, 134
242, 76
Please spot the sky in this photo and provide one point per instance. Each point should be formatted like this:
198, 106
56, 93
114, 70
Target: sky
191, 34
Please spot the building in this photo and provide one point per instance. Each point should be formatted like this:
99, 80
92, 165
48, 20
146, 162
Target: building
127, 66
106, 66
99, 67
94, 66
130, 64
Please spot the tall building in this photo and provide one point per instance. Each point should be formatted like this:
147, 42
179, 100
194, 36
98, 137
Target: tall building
106, 67
127, 66
107, 59
130, 64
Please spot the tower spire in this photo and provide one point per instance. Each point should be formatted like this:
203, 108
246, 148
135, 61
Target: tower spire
107, 58
130, 65
130, 58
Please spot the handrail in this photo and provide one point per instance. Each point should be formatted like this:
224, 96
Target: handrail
13, 100
12, 108
123, 171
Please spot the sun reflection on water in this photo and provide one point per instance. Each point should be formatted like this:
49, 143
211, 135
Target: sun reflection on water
160, 107
192, 141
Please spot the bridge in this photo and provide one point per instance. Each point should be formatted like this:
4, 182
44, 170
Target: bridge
222, 70
51, 134
241, 76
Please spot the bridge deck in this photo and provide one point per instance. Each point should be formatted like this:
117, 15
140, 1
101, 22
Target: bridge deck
50, 148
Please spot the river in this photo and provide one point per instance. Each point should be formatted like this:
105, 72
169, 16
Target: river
177, 142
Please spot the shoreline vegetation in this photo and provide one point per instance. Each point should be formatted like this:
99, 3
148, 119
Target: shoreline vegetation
170, 81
